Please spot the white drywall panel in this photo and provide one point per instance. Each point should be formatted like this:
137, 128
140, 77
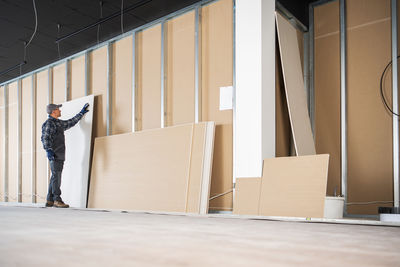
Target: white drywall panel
74, 182
255, 86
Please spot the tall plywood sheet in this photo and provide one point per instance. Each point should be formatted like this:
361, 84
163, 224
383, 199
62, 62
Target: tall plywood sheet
2, 110
98, 74
294, 186
12, 141
369, 124
149, 78
217, 58
77, 77
59, 83
75, 176
327, 89
247, 196
122, 87
180, 69
41, 116
26, 139
294, 86
129, 181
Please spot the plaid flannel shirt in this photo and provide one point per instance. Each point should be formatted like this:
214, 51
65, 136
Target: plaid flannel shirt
51, 125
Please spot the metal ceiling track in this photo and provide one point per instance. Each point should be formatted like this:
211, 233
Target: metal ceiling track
100, 21
13, 68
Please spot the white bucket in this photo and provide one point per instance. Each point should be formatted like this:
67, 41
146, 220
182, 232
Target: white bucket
333, 207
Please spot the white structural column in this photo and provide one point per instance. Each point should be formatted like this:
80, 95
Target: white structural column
255, 86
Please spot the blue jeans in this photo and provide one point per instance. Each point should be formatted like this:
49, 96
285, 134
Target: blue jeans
54, 193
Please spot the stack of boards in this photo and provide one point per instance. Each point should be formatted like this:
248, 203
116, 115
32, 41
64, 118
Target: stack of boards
289, 186
166, 169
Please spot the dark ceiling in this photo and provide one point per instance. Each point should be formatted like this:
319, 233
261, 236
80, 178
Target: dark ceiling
17, 24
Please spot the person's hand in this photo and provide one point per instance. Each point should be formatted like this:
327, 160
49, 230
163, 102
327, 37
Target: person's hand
84, 109
50, 154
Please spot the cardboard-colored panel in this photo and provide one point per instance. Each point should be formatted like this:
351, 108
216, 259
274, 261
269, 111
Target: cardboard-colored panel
41, 116
369, 124
124, 179
294, 86
247, 196
149, 78
294, 186
12, 141
2, 108
326, 19
361, 12
77, 77
75, 176
98, 74
327, 106
59, 83
180, 69
217, 60
283, 134
122, 89
200, 168
26, 148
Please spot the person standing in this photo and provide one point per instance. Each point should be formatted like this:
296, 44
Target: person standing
53, 141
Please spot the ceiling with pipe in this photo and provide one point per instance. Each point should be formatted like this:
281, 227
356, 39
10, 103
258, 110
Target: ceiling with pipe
22, 39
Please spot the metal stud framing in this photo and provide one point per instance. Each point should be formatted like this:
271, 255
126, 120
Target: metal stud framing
163, 73
110, 61
5, 142
395, 106
343, 102
197, 73
87, 73
134, 82
33, 139
19, 141
67, 80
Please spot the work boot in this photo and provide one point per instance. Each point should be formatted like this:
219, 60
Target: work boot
49, 204
60, 204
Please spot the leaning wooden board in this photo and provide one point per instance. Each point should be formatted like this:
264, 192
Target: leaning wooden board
294, 86
289, 186
294, 186
164, 169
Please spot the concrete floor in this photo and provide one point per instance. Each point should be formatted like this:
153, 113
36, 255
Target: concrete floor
32, 236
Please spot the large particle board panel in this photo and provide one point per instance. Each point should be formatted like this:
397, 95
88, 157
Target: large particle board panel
12, 141
2, 110
216, 69
180, 69
247, 196
159, 169
98, 74
294, 186
41, 116
327, 89
370, 168
149, 78
294, 86
26, 149
122, 87
59, 83
77, 77
75, 176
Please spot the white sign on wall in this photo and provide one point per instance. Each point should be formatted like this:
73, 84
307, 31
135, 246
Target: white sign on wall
226, 98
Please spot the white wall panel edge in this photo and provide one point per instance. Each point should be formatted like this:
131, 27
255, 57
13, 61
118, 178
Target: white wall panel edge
255, 86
